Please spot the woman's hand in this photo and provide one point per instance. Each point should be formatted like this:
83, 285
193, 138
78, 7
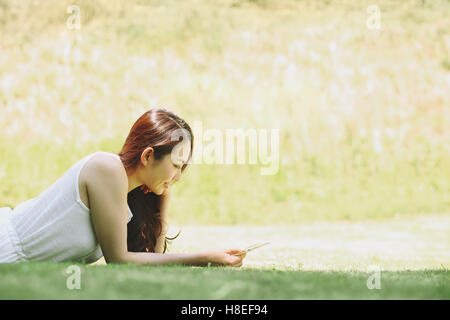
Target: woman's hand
225, 257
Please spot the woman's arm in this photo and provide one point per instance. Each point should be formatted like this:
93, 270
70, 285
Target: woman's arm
107, 188
222, 257
151, 258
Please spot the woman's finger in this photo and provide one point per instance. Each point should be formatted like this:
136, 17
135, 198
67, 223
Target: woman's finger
235, 251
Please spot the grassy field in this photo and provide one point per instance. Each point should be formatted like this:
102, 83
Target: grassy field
364, 122
312, 261
48, 281
363, 114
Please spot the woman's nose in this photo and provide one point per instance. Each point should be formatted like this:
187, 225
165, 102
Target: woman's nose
177, 176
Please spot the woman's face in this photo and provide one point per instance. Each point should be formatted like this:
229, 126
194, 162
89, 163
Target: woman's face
158, 175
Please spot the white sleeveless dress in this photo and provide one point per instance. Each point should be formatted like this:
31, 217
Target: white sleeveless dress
55, 226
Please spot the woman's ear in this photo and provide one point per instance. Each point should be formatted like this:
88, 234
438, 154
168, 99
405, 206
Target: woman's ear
147, 155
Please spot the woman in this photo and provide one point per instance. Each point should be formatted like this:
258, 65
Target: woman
111, 205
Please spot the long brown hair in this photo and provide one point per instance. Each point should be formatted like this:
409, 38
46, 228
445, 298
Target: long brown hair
156, 128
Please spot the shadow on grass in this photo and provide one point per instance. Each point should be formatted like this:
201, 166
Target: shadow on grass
49, 281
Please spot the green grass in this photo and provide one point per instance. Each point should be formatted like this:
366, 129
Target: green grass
363, 115
310, 261
48, 281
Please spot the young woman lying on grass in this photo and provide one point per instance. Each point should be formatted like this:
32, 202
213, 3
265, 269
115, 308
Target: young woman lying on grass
111, 205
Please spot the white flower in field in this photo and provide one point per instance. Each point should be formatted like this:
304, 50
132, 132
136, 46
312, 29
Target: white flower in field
21, 106
332, 47
314, 56
296, 47
172, 62
332, 120
376, 141
65, 117
12, 129
291, 69
8, 81
362, 132
312, 31
334, 90
78, 56
250, 80
67, 51
257, 108
280, 59
447, 42
142, 64
198, 58
318, 266
345, 72
370, 85
205, 82
249, 38
417, 45
96, 55
58, 141
154, 101
390, 133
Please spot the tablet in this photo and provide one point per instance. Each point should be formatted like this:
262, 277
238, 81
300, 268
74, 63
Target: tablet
253, 247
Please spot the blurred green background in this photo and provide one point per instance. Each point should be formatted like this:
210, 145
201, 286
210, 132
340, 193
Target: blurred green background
363, 114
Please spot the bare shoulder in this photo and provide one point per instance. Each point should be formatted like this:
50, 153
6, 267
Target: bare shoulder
103, 168
105, 165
